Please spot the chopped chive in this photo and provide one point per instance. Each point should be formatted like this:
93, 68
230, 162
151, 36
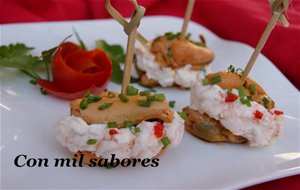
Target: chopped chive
144, 103
252, 89
244, 100
43, 91
131, 91
128, 124
87, 94
160, 97
150, 98
172, 103
216, 79
170, 53
91, 141
112, 124
241, 91
123, 97
231, 68
144, 93
83, 104
32, 82
170, 35
93, 99
104, 106
266, 102
137, 130
165, 141
111, 95
182, 115
205, 82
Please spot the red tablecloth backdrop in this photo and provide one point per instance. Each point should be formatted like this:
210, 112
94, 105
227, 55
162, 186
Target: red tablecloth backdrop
239, 20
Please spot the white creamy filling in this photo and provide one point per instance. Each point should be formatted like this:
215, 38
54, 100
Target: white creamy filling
167, 76
235, 116
74, 133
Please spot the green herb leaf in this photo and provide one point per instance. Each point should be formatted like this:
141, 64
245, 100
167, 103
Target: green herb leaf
205, 82
104, 106
91, 141
123, 98
131, 91
172, 103
266, 102
82, 45
137, 130
216, 79
252, 89
128, 124
144, 93
160, 97
112, 124
144, 103
150, 98
242, 91
165, 141
83, 104
182, 115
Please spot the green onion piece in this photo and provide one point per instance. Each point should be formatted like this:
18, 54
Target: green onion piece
91, 141
252, 89
83, 104
112, 124
165, 141
131, 91
170, 53
231, 68
144, 93
244, 100
242, 91
123, 97
216, 79
160, 97
172, 104
205, 82
111, 95
43, 91
150, 98
128, 124
266, 102
137, 130
182, 115
32, 82
92, 99
104, 106
144, 103
87, 94
170, 35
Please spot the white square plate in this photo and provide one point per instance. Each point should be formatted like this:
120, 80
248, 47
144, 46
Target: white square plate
28, 119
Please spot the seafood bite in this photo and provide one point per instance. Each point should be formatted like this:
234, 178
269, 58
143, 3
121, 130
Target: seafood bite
169, 61
224, 109
135, 125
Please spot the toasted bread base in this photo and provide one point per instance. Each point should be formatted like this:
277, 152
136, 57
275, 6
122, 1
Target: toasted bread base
209, 129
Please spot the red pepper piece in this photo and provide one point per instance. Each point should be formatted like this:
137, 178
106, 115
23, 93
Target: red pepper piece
158, 130
231, 97
258, 115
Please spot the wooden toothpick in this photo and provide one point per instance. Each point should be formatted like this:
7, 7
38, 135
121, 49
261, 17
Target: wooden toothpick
187, 18
130, 29
278, 9
120, 19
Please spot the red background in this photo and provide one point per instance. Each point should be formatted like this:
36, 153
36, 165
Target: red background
239, 20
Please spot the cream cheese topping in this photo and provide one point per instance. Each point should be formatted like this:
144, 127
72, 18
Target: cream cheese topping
73, 133
166, 76
235, 116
